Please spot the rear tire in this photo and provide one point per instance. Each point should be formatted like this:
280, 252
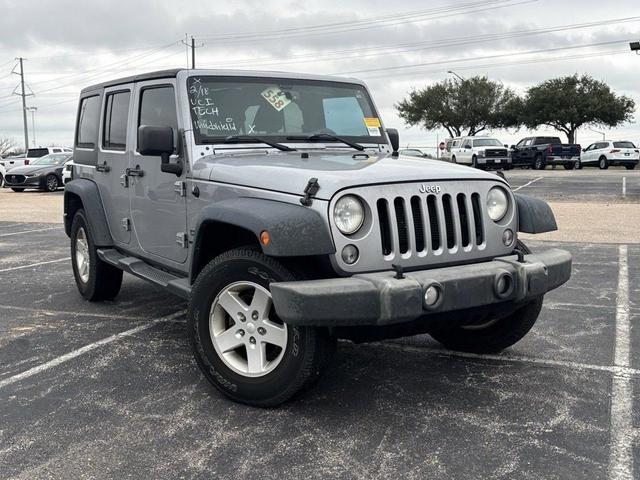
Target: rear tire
579, 165
603, 164
474, 161
493, 335
630, 167
95, 279
453, 159
226, 336
569, 166
538, 163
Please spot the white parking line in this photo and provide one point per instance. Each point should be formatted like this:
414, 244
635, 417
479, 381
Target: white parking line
622, 371
624, 186
30, 231
81, 351
621, 432
35, 264
44, 311
527, 184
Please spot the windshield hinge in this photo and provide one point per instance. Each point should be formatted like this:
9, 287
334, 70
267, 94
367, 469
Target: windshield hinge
180, 188
309, 191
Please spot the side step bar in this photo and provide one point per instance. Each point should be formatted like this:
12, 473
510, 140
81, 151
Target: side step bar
177, 285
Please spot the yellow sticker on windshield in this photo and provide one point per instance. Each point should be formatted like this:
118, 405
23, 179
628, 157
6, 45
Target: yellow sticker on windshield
372, 122
276, 97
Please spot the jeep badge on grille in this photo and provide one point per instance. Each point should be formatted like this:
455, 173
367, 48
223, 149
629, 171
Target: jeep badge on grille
430, 188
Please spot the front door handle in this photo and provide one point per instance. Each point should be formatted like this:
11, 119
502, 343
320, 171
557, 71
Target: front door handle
103, 167
134, 172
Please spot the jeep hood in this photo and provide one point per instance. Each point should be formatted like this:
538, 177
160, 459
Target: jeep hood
288, 172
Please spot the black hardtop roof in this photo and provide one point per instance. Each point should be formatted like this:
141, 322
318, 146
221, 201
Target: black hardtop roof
135, 78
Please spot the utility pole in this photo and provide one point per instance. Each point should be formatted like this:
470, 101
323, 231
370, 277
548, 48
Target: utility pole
191, 45
24, 102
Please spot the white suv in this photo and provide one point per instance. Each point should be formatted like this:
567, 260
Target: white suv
481, 152
605, 153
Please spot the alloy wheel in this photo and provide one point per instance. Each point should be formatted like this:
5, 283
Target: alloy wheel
82, 255
245, 332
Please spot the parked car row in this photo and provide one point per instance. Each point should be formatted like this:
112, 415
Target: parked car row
538, 152
44, 172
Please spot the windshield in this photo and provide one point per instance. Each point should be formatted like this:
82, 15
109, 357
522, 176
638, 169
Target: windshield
623, 145
277, 108
486, 142
53, 159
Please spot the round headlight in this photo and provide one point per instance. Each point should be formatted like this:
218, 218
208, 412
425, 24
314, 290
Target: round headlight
497, 204
348, 214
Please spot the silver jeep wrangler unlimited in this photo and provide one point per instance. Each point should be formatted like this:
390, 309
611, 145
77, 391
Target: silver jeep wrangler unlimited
278, 206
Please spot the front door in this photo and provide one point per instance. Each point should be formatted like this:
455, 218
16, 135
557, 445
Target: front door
113, 160
158, 207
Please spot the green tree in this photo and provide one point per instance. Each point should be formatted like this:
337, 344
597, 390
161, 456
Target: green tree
474, 105
568, 103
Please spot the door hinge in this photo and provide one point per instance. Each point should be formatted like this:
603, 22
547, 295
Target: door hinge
126, 224
124, 180
182, 239
180, 188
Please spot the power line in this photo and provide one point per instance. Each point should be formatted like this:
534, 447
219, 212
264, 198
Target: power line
367, 25
419, 46
509, 64
486, 57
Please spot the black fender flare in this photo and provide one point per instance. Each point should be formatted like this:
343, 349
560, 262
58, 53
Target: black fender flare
89, 195
534, 215
294, 230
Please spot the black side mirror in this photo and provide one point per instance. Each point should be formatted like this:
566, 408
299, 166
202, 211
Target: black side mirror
505, 145
513, 147
394, 139
158, 141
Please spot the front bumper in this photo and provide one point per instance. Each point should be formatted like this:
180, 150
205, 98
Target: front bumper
28, 182
381, 299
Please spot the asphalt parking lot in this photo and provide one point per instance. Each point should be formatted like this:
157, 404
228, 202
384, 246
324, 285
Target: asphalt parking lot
111, 389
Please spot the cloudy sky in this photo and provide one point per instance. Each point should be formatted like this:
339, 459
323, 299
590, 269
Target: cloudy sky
393, 46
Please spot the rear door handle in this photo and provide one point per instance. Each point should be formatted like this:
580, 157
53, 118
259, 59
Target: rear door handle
135, 172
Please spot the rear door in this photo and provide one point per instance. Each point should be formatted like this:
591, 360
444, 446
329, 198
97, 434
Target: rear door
158, 204
113, 159
464, 156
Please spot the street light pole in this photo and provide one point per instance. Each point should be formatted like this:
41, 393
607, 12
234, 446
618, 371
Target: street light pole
33, 111
599, 132
454, 73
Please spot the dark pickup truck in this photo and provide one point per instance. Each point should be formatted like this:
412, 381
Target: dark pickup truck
538, 152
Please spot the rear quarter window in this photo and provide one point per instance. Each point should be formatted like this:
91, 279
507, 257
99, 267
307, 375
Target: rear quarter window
88, 118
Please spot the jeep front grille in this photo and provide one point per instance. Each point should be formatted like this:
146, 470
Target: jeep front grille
423, 225
418, 225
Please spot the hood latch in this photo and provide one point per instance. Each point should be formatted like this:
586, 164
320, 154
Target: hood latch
309, 191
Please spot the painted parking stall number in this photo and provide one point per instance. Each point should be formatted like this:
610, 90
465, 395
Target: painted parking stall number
276, 97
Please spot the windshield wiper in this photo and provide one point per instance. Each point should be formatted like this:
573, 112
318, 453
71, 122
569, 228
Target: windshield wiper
320, 136
250, 139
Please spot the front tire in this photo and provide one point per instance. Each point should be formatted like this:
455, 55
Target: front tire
51, 183
492, 335
630, 167
95, 279
17, 190
239, 343
603, 164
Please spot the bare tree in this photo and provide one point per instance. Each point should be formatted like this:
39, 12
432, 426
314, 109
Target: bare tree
7, 144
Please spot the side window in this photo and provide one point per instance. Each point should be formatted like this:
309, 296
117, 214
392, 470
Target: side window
116, 116
158, 107
528, 142
88, 118
57, 150
456, 143
466, 143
